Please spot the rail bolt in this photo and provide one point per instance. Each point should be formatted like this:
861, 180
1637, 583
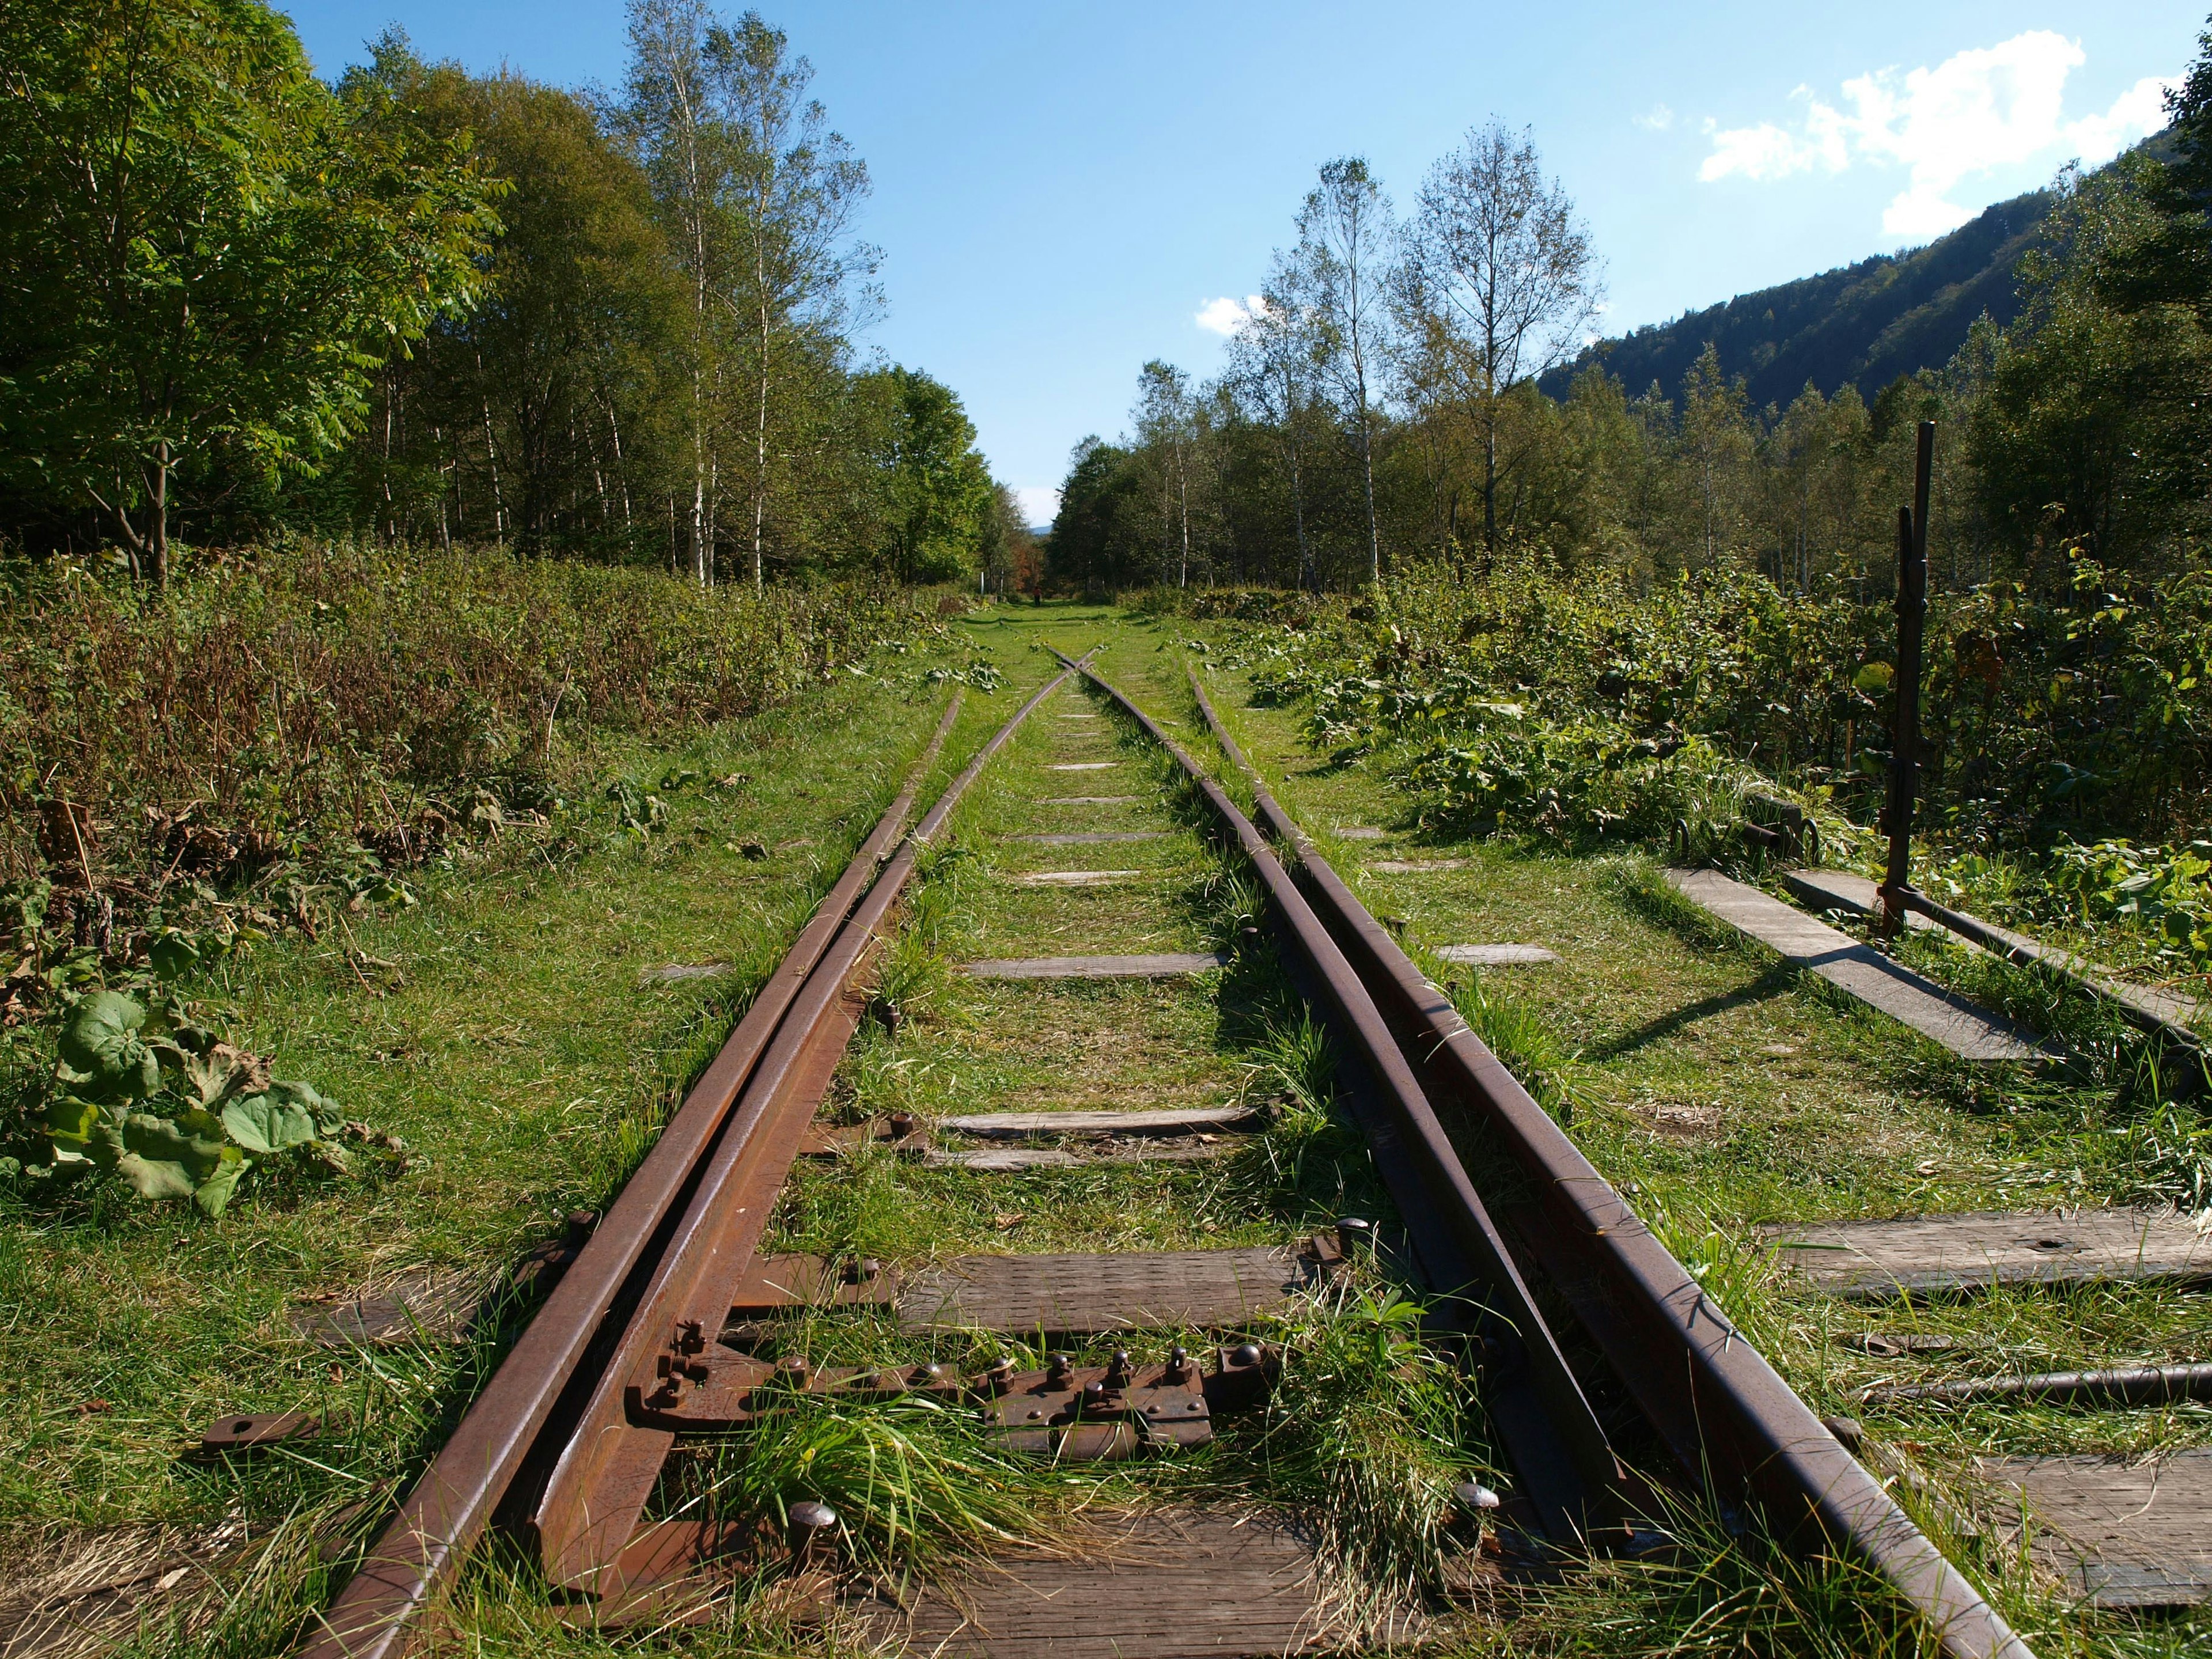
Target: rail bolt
1474, 1498
1248, 1354
1058, 1368
1353, 1231
1178, 1364
813, 1534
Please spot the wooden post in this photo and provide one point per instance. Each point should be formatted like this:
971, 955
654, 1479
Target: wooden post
1904, 746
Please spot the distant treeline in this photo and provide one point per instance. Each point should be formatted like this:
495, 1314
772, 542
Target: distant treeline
1381, 405
432, 307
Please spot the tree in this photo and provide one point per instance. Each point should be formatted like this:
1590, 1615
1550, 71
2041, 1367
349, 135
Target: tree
1165, 425
554, 373
1501, 282
203, 250
1096, 543
941, 505
1338, 277
796, 189
667, 118
2093, 426
1273, 377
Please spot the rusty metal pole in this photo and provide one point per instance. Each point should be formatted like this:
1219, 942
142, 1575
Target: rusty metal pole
1904, 691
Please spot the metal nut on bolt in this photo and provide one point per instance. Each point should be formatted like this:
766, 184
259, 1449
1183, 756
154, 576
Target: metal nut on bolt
813, 1533
1247, 1354
1473, 1498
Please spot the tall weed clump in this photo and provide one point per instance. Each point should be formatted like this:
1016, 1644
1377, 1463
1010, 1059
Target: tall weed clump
305, 691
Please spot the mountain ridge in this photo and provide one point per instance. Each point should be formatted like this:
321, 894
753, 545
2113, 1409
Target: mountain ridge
1863, 325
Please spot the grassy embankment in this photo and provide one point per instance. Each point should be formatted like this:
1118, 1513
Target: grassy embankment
484, 1003
1721, 1089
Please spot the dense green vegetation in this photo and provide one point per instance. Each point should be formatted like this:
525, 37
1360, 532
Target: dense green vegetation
1595, 616
436, 309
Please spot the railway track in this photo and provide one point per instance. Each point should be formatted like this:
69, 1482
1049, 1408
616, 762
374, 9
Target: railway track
1607, 1377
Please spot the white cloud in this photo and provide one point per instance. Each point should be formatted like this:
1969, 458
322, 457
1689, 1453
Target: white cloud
1657, 118
1988, 107
2135, 113
1040, 503
1227, 314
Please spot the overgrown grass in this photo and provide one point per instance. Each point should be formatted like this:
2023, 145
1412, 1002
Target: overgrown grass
318, 692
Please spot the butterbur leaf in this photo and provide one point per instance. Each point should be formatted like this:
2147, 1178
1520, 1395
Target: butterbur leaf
173, 954
154, 1178
70, 1125
267, 1124
101, 1044
158, 1140
213, 1191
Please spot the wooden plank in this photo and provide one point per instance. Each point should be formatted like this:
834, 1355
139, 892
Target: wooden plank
676, 973
1083, 766
1876, 1258
1496, 956
1189, 1120
422, 1304
1415, 866
2123, 1534
1092, 837
1968, 1032
1839, 890
1089, 800
1005, 1160
1075, 877
1086, 1295
1361, 832
1167, 965
1162, 1585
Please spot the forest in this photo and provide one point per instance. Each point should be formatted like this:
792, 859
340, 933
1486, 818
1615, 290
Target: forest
1382, 406
1599, 614
435, 309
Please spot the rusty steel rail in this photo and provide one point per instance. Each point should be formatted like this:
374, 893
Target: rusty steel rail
1728, 1416
1567, 1467
539, 1392
599, 1488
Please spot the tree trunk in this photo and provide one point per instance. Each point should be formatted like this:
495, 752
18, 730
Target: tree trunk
158, 533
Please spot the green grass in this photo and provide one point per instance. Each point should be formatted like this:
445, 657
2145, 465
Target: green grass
1719, 1089
511, 1042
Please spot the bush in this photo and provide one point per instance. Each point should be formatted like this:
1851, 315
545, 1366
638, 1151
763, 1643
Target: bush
332, 694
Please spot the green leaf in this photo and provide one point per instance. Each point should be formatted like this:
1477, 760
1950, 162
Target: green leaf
213, 1193
1875, 678
267, 1124
154, 1178
100, 1042
158, 1140
69, 1125
173, 954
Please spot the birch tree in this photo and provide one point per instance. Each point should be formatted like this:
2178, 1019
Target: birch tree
1338, 276
1500, 283
795, 189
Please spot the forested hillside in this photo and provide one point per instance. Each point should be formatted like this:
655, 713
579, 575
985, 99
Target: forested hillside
438, 309
1862, 325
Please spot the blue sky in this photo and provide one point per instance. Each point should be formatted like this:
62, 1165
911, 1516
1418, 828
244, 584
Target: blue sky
1061, 191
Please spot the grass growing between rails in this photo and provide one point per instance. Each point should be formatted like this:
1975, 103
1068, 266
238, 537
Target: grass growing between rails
507, 1026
